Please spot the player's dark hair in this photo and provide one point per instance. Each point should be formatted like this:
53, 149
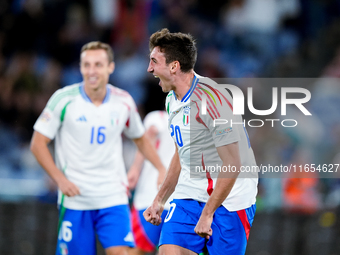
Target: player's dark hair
96, 45
176, 47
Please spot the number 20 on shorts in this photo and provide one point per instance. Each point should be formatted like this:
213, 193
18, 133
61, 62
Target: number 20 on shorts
170, 213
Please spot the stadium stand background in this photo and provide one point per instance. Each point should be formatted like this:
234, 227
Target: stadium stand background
40, 41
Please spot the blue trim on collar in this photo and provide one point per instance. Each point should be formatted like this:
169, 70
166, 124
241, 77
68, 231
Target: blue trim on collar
107, 96
191, 90
87, 99
173, 92
83, 94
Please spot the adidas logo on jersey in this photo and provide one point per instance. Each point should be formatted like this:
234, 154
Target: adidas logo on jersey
82, 118
129, 237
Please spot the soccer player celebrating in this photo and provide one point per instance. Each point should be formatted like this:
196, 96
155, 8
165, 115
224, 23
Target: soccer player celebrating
142, 177
209, 211
87, 121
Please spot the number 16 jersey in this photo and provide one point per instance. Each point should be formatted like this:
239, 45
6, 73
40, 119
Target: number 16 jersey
88, 143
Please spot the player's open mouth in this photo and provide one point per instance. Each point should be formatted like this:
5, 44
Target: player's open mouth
157, 77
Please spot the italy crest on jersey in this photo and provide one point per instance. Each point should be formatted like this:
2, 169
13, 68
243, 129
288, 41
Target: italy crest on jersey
186, 113
114, 118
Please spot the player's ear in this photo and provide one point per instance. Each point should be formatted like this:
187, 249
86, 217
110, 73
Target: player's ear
174, 66
112, 67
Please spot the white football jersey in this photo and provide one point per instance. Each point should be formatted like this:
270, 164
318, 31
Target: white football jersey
197, 138
88, 143
146, 188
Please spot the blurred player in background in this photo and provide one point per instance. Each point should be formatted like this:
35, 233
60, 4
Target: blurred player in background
143, 178
206, 212
87, 121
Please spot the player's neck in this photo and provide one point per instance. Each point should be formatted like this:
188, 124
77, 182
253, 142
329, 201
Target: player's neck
183, 84
96, 95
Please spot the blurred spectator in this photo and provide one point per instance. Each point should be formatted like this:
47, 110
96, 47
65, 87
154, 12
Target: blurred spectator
104, 14
21, 84
210, 64
255, 24
74, 33
25, 31
131, 23
325, 105
301, 200
301, 195
131, 71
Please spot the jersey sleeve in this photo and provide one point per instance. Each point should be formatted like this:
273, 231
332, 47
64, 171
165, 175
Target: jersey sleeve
134, 127
219, 118
51, 117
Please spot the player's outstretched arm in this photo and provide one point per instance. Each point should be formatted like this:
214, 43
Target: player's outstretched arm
225, 182
41, 152
154, 212
145, 146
